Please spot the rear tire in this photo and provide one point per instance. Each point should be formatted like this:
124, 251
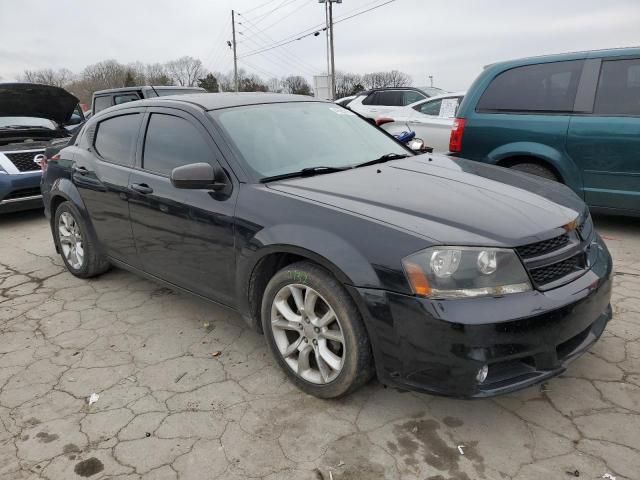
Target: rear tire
328, 327
537, 170
75, 243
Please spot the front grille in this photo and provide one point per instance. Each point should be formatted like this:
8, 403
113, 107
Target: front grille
24, 160
541, 248
556, 271
23, 193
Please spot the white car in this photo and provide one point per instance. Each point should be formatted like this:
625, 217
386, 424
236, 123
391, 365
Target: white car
431, 119
380, 101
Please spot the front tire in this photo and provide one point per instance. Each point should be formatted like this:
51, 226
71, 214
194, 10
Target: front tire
315, 331
75, 244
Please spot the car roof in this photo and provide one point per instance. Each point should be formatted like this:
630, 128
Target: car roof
217, 101
147, 87
579, 55
384, 89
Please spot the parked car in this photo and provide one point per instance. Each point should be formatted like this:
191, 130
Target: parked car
31, 115
433, 91
380, 101
430, 119
573, 117
355, 256
115, 96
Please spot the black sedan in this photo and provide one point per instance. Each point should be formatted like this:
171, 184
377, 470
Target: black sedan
353, 255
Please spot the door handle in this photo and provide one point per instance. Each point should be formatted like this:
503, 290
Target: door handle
141, 188
80, 170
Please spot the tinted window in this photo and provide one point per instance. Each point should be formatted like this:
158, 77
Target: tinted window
371, 99
412, 97
116, 138
172, 142
429, 108
126, 97
390, 98
619, 88
547, 87
100, 103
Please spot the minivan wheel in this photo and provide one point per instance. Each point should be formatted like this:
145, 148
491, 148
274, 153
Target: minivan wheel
535, 169
75, 245
315, 331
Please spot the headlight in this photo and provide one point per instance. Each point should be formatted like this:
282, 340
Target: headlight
462, 272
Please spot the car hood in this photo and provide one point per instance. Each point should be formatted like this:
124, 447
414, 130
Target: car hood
35, 100
450, 201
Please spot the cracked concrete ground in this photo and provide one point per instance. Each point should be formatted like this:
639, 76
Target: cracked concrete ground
171, 407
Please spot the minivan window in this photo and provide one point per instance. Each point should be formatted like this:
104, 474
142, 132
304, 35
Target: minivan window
172, 142
116, 138
545, 87
100, 103
619, 88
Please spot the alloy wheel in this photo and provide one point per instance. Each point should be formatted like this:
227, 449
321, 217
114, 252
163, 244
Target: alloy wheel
71, 241
308, 333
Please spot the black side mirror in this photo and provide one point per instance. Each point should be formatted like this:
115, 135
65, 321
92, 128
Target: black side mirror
199, 176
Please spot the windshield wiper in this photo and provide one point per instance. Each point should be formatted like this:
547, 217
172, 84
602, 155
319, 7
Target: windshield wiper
384, 158
305, 172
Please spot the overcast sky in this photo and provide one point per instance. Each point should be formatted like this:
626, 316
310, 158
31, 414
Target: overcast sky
451, 40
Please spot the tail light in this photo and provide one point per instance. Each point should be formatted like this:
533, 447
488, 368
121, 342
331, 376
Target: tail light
382, 120
455, 141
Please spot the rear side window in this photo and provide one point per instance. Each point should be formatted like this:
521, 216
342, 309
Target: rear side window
390, 98
172, 142
116, 138
412, 97
619, 88
371, 99
429, 108
125, 97
100, 103
545, 87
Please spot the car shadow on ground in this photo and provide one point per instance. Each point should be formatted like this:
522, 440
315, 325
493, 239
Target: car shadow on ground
17, 218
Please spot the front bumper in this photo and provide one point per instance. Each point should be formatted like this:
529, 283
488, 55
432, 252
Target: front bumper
20, 191
438, 346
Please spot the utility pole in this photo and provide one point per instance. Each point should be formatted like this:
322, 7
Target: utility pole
330, 56
333, 65
235, 55
431, 79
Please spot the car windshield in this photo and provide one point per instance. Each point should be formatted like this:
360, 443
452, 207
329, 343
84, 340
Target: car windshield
26, 122
279, 138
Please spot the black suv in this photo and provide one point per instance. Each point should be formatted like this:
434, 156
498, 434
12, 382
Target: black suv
115, 96
349, 252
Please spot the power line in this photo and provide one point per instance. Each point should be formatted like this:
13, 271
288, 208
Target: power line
259, 6
315, 33
285, 62
284, 3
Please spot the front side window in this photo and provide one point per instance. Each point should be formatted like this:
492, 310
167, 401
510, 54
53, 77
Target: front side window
371, 99
125, 97
100, 103
545, 87
278, 138
172, 142
619, 88
116, 138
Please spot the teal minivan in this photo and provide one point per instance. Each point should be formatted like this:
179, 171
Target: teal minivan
573, 117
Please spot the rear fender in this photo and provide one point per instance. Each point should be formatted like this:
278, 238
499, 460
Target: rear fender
568, 170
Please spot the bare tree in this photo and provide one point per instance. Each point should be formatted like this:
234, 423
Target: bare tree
186, 71
58, 78
274, 85
393, 78
348, 84
296, 84
156, 74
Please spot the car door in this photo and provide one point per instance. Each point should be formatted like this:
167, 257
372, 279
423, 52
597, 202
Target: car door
185, 237
605, 141
102, 165
432, 121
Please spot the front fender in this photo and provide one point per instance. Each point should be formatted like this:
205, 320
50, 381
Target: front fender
320, 246
568, 170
